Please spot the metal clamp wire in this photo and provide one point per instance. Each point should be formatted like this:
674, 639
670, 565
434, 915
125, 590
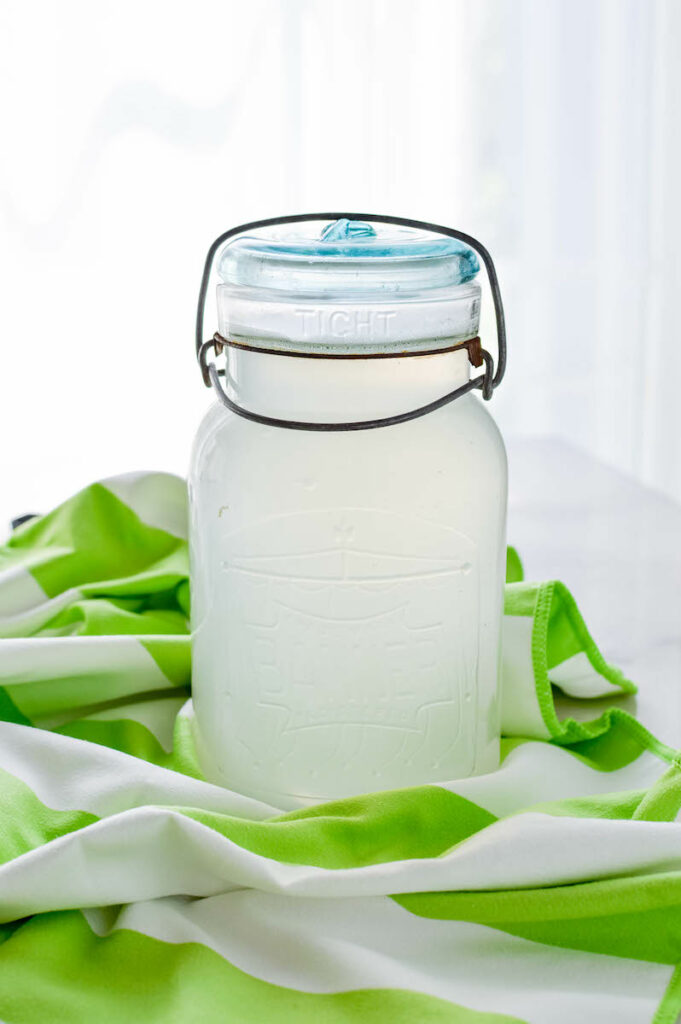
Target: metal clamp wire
385, 421
487, 382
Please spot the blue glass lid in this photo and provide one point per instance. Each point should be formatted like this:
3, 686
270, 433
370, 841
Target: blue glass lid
347, 259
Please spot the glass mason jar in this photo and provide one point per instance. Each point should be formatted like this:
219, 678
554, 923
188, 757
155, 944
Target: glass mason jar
347, 579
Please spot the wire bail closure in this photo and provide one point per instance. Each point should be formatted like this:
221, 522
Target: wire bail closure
478, 356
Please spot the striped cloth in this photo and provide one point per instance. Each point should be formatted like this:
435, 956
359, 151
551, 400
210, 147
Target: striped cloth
547, 892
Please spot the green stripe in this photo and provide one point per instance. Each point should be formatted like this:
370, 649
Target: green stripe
520, 598
68, 694
94, 537
56, 969
514, 566
653, 935
614, 806
134, 738
102, 616
422, 822
8, 928
65, 695
559, 631
26, 823
637, 917
663, 801
185, 757
618, 741
124, 734
669, 1010
9, 712
172, 654
578, 734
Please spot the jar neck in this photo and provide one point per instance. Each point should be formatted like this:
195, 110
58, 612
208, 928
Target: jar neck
336, 390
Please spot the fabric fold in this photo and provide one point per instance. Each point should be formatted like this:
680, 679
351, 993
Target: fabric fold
133, 889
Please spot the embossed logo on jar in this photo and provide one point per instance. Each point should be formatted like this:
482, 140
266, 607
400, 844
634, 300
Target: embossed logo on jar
358, 616
360, 324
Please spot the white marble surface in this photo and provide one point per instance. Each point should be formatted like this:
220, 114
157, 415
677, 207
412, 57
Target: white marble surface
617, 545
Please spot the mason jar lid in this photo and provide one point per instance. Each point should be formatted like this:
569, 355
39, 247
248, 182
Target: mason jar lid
349, 286
348, 259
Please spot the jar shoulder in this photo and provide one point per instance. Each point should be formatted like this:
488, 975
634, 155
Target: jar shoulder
463, 435
482, 425
208, 434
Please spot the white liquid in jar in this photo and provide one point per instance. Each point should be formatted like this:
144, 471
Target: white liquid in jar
347, 586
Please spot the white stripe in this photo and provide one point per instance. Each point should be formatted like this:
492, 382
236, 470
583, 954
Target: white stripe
520, 711
156, 851
27, 660
342, 945
66, 774
27, 622
159, 499
577, 677
19, 592
38, 670
537, 772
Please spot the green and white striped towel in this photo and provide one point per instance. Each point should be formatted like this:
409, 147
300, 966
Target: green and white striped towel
547, 892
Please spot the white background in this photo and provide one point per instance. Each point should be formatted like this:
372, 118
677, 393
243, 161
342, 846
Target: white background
135, 132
